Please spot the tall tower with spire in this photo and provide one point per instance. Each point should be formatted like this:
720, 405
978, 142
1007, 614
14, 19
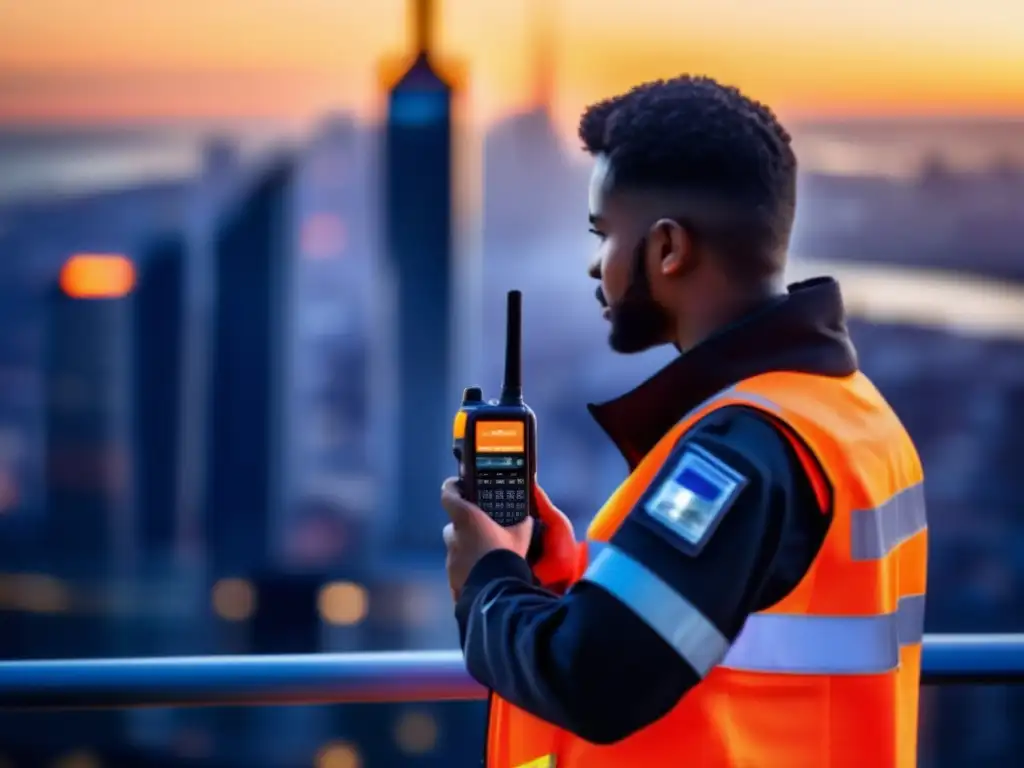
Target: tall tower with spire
542, 29
527, 173
420, 245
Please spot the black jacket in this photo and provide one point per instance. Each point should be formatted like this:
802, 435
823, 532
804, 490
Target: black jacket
573, 660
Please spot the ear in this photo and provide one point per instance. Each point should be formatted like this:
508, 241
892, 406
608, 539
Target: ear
670, 246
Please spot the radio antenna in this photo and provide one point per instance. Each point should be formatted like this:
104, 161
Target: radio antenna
512, 388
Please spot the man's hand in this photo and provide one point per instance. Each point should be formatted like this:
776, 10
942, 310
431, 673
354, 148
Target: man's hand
473, 534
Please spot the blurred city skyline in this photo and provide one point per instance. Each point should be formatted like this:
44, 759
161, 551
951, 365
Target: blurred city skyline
65, 62
242, 453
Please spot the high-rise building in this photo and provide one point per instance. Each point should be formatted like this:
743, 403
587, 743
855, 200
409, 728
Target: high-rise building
331, 327
530, 179
87, 480
419, 243
88, 413
245, 415
20, 486
209, 196
157, 357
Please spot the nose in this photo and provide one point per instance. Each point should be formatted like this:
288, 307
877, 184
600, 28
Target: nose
594, 270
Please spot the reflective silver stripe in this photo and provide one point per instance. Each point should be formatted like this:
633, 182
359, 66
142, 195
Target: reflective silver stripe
754, 399
734, 393
877, 532
910, 619
667, 612
874, 532
827, 645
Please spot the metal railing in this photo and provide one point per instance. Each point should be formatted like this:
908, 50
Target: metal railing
356, 678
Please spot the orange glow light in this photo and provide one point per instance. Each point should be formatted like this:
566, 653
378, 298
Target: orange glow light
97, 276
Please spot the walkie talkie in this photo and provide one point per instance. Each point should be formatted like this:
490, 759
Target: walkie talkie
496, 441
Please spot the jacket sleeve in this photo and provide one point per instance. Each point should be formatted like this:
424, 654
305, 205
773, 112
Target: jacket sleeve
601, 661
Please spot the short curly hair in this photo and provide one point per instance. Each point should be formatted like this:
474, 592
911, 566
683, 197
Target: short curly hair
693, 135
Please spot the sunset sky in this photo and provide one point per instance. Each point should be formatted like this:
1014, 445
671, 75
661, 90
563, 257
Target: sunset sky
112, 60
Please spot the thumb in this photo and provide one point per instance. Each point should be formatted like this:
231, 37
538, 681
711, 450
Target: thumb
460, 511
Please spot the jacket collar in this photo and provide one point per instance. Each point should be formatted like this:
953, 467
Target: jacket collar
803, 331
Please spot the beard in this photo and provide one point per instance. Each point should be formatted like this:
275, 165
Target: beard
638, 322
636, 326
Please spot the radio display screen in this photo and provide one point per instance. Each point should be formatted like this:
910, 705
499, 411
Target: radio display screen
501, 473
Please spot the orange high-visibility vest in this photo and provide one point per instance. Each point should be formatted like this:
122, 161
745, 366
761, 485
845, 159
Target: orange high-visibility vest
828, 676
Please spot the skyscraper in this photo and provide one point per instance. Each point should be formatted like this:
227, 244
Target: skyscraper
157, 357
87, 480
530, 178
419, 242
245, 447
331, 329
209, 196
88, 411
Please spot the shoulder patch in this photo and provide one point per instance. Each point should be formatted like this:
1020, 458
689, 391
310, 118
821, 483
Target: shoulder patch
693, 496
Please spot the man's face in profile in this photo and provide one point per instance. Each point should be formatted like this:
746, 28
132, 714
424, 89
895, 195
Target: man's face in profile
638, 322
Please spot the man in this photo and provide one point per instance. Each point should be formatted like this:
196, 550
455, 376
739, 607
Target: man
752, 594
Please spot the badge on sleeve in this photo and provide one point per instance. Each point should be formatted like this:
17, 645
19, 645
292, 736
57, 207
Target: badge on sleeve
694, 496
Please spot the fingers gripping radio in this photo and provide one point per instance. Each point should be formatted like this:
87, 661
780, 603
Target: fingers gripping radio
495, 442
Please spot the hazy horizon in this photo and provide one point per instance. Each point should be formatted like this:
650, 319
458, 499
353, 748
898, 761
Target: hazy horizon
114, 125
70, 158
